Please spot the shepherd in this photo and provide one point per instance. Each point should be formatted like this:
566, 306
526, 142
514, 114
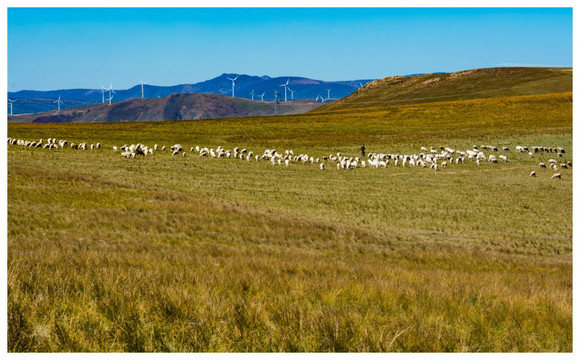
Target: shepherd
362, 150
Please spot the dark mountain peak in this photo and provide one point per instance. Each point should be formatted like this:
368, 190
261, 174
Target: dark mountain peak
246, 86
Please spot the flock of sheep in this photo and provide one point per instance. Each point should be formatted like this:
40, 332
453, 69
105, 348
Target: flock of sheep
431, 158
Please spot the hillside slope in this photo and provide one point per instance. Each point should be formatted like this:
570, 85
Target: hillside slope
173, 107
462, 85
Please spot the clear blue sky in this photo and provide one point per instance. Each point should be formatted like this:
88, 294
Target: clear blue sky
57, 48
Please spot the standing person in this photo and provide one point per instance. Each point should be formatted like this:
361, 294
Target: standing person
362, 150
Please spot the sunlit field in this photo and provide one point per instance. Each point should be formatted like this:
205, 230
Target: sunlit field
195, 254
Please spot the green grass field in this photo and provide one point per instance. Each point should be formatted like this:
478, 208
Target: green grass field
193, 254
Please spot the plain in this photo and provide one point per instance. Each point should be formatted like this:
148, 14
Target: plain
173, 253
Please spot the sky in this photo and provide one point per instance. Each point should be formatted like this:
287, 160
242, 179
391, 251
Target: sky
63, 48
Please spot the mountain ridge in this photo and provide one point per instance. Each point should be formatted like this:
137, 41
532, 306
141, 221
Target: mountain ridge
34, 101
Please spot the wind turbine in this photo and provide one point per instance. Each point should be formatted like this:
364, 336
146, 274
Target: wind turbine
252, 94
142, 93
11, 102
328, 93
110, 89
285, 88
58, 102
233, 84
361, 85
276, 102
291, 93
262, 96
103, 92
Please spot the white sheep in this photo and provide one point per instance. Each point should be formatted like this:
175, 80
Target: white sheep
321, 166
557, 176
533, 174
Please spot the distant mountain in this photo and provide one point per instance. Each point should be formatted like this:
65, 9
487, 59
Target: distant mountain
462, 85
31, 101
177, 106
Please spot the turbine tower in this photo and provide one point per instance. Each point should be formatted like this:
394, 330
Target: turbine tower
328, 93
291, 93
252, 94
58, 102
103, 92
11, 102
276, 101
111, 92
262, 96
233, 84
285, 88
142, 92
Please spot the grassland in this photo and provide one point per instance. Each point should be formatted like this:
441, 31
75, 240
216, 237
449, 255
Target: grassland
196, 254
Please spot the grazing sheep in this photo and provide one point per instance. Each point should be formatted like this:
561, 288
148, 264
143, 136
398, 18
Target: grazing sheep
533, 174
503, 157
163, 148
531, 154
184, 154
557, 176
321, 166
175, 152
542, 165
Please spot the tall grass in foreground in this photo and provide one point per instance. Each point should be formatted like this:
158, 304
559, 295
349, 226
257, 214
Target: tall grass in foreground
194, 254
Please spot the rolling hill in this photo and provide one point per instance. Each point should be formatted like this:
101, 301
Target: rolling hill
174, 107
32, 101
462, 85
